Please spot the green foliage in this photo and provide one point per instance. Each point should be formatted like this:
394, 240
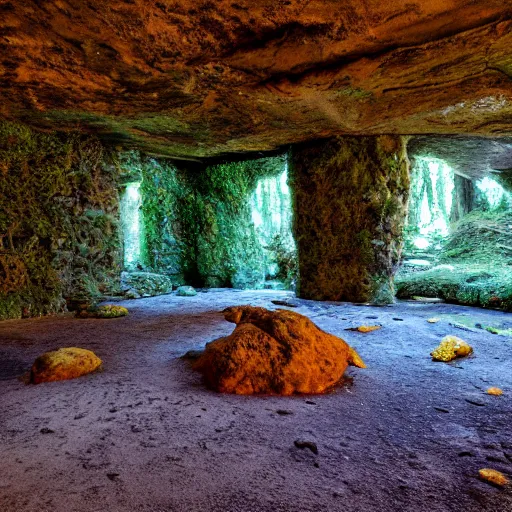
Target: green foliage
285, 259
480, 237
198, 221
58, 216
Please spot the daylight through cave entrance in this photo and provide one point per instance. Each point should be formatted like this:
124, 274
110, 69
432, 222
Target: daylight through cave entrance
457, 239
132, 226
271, 213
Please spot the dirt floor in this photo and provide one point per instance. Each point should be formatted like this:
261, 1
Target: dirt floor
407, 434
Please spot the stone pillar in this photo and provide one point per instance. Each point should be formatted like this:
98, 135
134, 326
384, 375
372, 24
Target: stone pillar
350, 197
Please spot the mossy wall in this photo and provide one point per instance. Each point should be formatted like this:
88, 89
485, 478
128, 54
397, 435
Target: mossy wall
59, 229
350, 199
198, 221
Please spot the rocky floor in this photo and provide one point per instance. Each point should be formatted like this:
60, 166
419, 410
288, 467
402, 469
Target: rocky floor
406, 434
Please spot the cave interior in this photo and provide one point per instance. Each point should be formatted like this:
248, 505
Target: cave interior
351, 161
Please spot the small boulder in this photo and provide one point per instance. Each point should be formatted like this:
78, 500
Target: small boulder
186, 291
64, 364
274, 352
493, 477
107, 311
450, 348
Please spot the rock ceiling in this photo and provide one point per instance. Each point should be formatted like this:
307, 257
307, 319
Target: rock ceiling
197, 78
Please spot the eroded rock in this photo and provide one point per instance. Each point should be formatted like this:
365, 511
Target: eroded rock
450, 348
64, 364
277, 352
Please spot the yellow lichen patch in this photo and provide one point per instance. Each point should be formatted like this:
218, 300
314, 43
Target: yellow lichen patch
495, 391
111, 311
368, 328
433, 320
64, 364
494, 477
107, 311
450, 348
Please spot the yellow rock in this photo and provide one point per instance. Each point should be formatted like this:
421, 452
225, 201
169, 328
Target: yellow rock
433, 320
450, 348
63, 364
107, 311
495, 391
492, 476
111, 311
368, 328
274, 352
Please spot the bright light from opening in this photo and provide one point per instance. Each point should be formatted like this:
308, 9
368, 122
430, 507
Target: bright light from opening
131, 224
271, 214
421, 243
492, 190
435, 214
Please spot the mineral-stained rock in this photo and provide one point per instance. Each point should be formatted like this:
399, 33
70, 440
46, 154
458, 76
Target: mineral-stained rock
450, 348
64, 364
201, 78
493, 477
277, 352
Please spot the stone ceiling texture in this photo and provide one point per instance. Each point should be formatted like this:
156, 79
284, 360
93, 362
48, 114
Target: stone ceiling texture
471, 157
197, 78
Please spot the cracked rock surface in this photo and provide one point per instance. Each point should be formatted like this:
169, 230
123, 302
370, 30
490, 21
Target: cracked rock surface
199, 78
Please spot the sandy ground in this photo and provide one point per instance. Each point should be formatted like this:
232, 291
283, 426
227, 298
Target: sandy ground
407, 434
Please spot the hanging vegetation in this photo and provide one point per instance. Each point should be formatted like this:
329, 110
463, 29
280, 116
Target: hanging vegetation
59, 234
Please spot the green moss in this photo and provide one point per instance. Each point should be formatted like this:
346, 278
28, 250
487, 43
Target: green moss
198, 221
488, 286
58, 217
350, 196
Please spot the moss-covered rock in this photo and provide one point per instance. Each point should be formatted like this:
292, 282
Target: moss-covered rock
186, 291
350, 201
105, 311
198, 221
59, 235
145, 284
488, 286
64, 364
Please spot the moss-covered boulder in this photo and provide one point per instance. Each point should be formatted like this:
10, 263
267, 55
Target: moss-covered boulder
488, 286
350, 199
276, 352
145, 284
186, 291
105, 311
64, 364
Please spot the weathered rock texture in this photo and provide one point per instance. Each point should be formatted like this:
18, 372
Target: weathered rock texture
59, 229
350, 200
278, 352
201, 78
64, 364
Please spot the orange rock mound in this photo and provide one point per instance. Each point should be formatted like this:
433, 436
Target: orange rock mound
274, 352
63, 364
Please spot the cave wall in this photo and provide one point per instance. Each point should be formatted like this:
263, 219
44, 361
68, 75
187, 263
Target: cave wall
350, 201
198, 221
59, 226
